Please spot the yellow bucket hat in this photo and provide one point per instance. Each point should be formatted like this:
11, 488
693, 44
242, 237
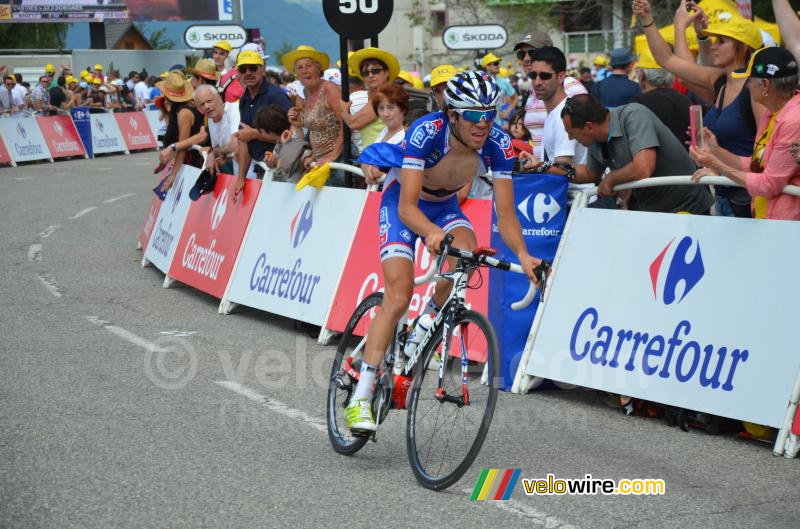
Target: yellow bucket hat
375, 53
735, 26
305, 52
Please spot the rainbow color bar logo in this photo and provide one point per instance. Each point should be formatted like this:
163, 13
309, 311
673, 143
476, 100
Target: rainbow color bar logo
495, 484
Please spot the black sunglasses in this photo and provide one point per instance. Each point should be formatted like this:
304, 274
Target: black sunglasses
371, 71
544, 76
248, 68
521, 54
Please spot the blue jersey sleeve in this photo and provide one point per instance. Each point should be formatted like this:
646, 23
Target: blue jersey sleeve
498, 153
421, 138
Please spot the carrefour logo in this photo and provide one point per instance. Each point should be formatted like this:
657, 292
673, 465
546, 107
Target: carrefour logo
301, 224
682, 266
100, 126
178, 185
219, 209
58, 128
543, 209
133, 123
22, 131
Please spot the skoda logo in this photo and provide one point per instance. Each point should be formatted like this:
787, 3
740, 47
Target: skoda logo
194, 37
219, 208
673, 267
301, 224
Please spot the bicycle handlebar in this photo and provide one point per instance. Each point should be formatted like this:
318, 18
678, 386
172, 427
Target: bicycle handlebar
445, 250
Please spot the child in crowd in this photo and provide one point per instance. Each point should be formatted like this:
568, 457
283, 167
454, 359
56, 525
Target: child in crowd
287, 158
520, 135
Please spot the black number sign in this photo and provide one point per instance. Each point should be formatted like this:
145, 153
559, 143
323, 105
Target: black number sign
358, 19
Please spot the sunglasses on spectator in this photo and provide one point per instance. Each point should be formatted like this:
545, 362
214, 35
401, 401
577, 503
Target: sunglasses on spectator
544, 76
248, 68
371, 71
476, 116
521, 54
497, 63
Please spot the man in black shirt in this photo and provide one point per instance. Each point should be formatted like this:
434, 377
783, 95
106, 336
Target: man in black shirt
58, 96
258, 93
669, 105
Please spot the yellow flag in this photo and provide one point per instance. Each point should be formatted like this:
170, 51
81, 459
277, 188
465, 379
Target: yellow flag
316, 177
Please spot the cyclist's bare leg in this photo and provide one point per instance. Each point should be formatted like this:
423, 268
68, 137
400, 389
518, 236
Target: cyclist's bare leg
464, 239
398, 277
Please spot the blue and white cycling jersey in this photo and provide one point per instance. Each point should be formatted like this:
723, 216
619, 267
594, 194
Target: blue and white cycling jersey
426, 143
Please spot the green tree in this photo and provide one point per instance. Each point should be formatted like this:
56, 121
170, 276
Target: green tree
281, 50
33, 36
157, 38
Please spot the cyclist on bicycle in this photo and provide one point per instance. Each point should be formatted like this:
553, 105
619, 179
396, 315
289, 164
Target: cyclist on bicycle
443, 152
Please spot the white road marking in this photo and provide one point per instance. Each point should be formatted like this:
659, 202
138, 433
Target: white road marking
275, 405
49, 231
47, 281
35, 252
125, 334
180, 334
22, 178
110, 200
83, 212
535, 516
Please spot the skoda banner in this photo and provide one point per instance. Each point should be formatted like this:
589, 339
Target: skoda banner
541, 201
293, 256
61, 136
23, 139
106, 136
666, 308
212, 235
169, 223
485, 37
202, 37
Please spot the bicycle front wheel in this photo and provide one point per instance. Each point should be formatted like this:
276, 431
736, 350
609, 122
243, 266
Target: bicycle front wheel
342, 384
446, 429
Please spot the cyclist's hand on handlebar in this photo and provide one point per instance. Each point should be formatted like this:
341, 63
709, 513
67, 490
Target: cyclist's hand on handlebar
433, 241
528, 263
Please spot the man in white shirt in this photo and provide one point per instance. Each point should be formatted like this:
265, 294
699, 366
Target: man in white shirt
19, 89
547, 72
535, 111
142, 91
10, 100
223, 122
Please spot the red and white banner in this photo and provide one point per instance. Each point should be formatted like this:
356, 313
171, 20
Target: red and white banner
24, 139
61, 136
5, 157
212, 235
362, 272
135, 130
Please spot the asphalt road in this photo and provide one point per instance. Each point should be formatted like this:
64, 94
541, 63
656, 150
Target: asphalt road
97, 430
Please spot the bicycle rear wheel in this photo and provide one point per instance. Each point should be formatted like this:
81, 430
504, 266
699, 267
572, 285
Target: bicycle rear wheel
444, 436
342, 385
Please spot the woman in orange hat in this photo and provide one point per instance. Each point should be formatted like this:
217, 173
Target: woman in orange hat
735, 113
183, 122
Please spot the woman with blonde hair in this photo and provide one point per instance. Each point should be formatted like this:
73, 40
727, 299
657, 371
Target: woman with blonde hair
735, 112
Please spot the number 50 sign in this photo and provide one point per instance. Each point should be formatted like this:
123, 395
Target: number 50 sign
358, 19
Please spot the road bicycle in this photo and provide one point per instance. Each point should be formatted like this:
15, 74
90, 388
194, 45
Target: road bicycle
448, 414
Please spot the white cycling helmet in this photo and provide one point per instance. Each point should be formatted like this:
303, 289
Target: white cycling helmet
471, 89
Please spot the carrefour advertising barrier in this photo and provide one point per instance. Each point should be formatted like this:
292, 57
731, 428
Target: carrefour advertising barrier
541, 202
106, 136
61, 136
23, 139
135, 130
168, 227
212, 235
676, 309
294, 253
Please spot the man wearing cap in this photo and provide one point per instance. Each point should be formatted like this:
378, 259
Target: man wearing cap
259, 93
617, 89
219, 54
508, 101
633, 144
535, 111
773, 78
98, 72
439, 77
